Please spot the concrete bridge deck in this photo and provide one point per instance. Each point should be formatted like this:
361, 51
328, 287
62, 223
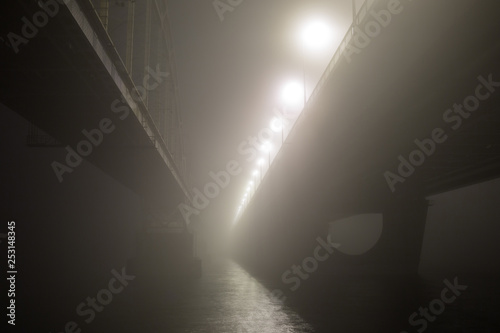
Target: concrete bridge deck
353, 149
61, 72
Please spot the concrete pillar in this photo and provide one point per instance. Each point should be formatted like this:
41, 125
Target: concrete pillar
401, 241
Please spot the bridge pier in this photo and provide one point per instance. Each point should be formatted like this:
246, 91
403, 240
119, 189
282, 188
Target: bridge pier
400, 245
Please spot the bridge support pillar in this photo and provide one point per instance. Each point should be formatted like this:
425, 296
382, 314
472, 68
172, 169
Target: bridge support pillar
402, 238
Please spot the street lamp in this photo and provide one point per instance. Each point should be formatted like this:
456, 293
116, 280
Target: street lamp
314, 36
255, 173
260, 162
291, 93
277, 125
267, 147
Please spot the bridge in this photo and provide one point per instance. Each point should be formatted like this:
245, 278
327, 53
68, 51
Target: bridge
98, 78
407, 108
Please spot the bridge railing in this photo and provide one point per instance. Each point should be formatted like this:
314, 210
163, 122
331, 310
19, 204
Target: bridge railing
358, 18
141, 35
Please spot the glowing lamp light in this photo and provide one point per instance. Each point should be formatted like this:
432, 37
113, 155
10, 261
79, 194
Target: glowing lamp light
276, 124
315, 35
292, 93
266, 147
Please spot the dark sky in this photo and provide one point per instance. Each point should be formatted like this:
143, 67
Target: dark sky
231, 72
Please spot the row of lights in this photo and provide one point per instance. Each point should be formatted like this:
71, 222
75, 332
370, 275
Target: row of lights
313, 36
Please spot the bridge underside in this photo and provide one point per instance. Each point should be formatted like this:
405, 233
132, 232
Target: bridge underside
67, 78
371, 110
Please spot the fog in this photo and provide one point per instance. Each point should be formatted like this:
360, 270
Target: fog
250, 165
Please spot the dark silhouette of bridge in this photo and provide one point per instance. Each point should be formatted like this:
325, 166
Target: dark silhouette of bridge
98, 78
88, 66
407, 108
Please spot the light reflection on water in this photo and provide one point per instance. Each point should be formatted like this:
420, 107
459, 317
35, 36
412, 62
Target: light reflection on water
225, 300
228, 299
